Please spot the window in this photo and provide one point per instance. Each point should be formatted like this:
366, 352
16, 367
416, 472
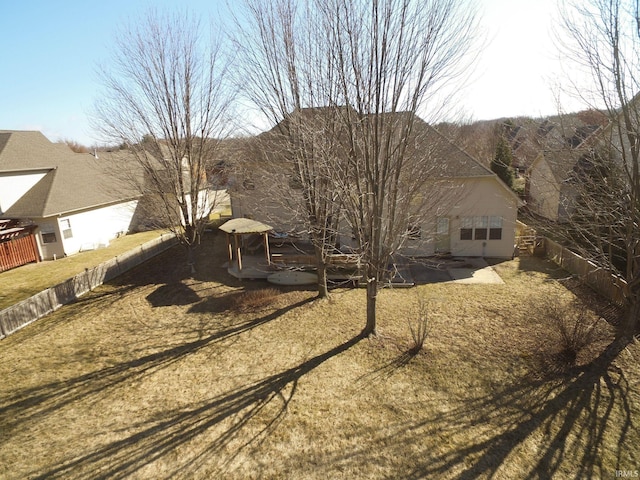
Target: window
480, 228
48, 237
442, 226
65, 226
495, 228
481, 224
466, 228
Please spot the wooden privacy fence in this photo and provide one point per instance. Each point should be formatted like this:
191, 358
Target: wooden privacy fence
602, 281
18, 245
17, 252
21, 314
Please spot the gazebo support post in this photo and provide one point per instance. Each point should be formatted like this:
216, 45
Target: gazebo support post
236, 228
266, 248
238, 254
229, 249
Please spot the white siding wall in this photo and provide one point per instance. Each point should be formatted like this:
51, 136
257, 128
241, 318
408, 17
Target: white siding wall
485, 197
93, 228
14, 186
210, 201
475, 197
465, 198
89, 229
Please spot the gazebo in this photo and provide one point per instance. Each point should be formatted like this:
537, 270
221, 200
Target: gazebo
237, 229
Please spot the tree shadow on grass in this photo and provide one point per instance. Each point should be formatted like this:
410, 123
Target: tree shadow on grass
571, 419
225, 415
171, 267
31, 403
572, 415
387, 370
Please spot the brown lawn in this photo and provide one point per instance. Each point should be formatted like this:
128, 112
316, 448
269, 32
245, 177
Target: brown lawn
21, 283
159, 376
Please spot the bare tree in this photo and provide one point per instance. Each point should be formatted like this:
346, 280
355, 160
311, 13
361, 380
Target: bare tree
391, 57
605, 42
285, 74
374, 65
165, 101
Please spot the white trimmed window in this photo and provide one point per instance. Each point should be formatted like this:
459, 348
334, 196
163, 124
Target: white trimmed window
481, 227
414, 232
48, 234
65, 226
480, 224
495, 228
442, 226
466, 228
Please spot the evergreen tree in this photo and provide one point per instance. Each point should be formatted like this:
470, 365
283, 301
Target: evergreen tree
501, 164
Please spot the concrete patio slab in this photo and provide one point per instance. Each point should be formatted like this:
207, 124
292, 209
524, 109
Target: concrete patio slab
462, 270
478, 274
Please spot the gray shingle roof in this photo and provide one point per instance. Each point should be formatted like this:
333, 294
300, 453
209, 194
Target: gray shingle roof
446, 158
453, 162
24, 150
73, 182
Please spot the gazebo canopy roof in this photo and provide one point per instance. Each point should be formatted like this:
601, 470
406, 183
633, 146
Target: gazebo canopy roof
245, 226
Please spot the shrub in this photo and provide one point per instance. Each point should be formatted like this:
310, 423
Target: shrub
576, 326
419, 327
254, 300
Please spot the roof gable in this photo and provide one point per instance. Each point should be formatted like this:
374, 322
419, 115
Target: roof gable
453, 161
33, 203
75, 181
28, 149
447, 158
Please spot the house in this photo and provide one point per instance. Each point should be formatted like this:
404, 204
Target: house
167, 182
471, 211
553, 174
474, 213
71, 198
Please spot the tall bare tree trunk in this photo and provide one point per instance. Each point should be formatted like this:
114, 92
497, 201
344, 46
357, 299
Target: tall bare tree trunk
323, 289
372, 293
370, 67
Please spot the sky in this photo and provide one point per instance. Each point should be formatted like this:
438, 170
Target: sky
51, 51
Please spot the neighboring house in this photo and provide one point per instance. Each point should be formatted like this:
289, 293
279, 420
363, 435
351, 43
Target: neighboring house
545, 153
71, 198
553, 174
151, 170
473, 212
550, 194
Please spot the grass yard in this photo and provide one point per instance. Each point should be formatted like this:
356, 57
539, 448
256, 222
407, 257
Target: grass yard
23, 282
158, 376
